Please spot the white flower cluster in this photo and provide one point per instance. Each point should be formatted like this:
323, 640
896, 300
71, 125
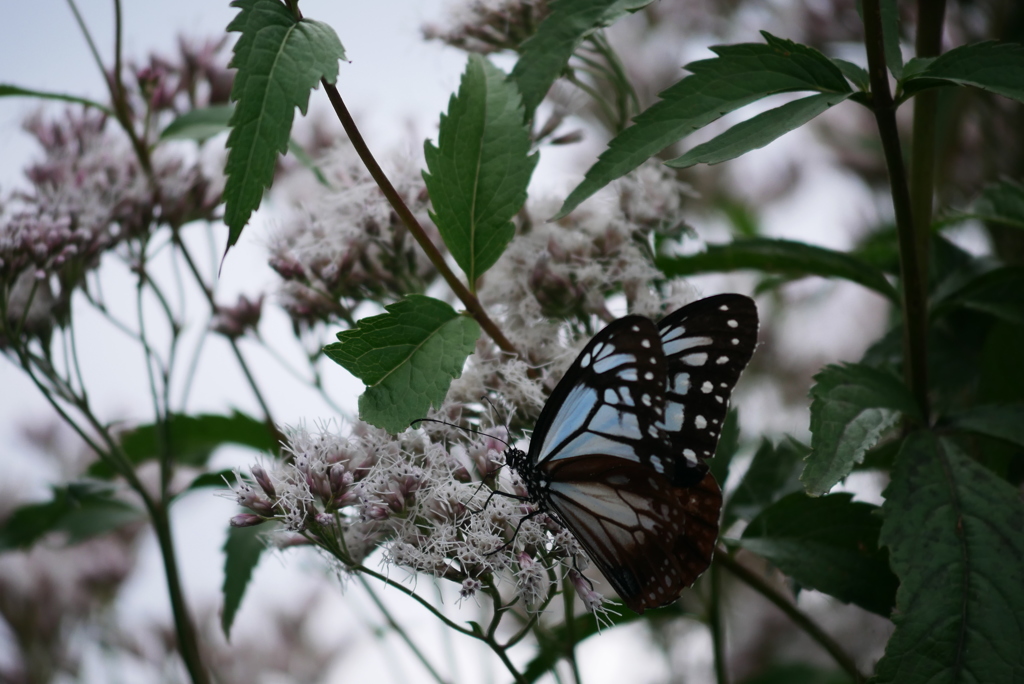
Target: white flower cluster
347, 244
423, 504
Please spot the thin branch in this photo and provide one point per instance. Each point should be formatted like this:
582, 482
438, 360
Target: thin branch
401, 632
468, 299
716, 626
756, 582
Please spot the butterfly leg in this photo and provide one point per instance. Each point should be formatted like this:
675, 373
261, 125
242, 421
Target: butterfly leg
519, 526
498, 491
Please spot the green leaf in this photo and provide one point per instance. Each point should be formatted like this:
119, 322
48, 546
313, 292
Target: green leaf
191, 439
851, 406
80, 510
279, 60
785, 257
728, 445
216, 480
992, 66
544, 55
242, 552
998, 293
479, 173
407, 358
828, 543
1005, 422
955, 534
739, 75
855, 73
200, 124
891, 37
1001, 202
773, 473
558, 637
758, 131
7, 90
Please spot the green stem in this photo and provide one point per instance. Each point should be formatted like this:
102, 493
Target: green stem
208, 293
569, 601
419, 599
755, 582
716, 626
912, 270
188, 644
400, 631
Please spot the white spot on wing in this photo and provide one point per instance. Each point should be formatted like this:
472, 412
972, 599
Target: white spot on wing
698, 359
603, 365
707, 387
674, 347
701, 422
673, 421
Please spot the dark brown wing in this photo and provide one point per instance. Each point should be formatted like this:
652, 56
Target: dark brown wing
707, 344
651, 540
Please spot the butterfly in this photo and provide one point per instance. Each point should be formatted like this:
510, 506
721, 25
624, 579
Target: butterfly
618, 453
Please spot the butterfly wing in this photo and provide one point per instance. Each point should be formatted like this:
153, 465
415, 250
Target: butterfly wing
610, 455
707, 344
648, 538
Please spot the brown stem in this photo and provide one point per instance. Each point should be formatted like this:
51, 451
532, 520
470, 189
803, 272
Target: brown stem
470, 301
915, 296
758, 584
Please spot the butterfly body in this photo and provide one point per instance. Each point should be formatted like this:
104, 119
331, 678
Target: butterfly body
618, 453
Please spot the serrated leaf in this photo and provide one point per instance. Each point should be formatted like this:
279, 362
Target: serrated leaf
544, 55
785, 257
191, 439
955, 534
200, 124
1001, 202
407, 358
478, 175
242, 551
739, 75
758, 131
8, 90
992, 66
80, 510
855, 73
998, 292
827, 543
851, 407
1005, 422
279, 60
773, 473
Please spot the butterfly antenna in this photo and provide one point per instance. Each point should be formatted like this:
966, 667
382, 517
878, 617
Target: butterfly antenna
459, 427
